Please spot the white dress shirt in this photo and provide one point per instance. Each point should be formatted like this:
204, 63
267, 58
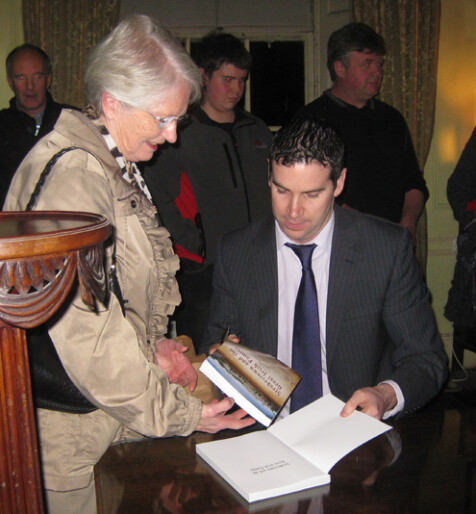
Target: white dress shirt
289, 278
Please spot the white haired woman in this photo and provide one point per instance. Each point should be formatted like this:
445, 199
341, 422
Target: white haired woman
140, 82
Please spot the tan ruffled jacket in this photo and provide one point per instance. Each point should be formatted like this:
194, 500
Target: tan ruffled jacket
107, 356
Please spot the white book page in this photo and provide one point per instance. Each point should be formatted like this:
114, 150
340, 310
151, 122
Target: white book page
258, 465
323, 436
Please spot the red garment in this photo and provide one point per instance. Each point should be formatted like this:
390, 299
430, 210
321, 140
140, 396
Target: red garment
187, 206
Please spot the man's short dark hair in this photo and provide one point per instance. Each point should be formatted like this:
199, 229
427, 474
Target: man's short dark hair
218, 48
307, 139
354, 37
31, 48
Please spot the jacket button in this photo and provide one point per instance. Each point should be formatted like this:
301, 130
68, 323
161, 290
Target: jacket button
133, 204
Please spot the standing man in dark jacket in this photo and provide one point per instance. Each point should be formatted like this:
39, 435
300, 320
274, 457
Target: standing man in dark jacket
383, 175
32, 112
214, 179
461, 192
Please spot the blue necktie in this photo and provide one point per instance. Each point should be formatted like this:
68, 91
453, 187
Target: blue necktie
306, 355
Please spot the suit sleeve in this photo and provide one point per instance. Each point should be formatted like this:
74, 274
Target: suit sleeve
417, 354
224, 311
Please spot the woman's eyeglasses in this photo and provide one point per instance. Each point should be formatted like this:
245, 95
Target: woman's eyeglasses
164, 122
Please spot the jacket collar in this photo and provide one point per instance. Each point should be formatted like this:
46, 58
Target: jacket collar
14, 106
241, 117
370, 103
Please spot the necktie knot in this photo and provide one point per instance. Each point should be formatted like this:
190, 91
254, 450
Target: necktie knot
304, 252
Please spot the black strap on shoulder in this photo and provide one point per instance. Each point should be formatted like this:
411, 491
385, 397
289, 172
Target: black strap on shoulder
52, 387
45, 173
114, 286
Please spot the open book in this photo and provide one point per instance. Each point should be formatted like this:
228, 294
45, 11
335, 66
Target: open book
259, 383
296, 453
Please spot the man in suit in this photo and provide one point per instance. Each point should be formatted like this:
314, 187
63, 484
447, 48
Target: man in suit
379, 346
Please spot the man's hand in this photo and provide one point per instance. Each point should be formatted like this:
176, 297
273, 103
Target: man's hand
170, 356
232, 337
374, 401
214, 417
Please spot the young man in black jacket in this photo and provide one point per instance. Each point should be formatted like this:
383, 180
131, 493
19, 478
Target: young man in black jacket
214, 179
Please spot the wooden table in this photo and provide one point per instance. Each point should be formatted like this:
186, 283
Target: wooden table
40, 255
435, 472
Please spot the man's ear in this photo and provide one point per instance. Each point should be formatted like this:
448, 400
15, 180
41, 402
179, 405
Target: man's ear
339, 69
204, 75
48, 81
10, 83
270, 172
340, 183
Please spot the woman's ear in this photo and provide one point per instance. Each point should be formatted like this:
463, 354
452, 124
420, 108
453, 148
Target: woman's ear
109, 104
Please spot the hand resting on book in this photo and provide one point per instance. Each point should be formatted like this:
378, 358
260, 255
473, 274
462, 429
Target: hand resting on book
374, 401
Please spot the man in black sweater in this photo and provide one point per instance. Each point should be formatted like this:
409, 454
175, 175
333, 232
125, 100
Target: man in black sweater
32, 112
383, 175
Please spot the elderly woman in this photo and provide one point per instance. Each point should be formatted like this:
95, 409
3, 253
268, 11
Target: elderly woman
140, 82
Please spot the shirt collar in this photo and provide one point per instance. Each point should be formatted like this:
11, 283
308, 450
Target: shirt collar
323, 240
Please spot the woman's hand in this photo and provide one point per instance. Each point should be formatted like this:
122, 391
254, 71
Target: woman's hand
214, 417
170, 356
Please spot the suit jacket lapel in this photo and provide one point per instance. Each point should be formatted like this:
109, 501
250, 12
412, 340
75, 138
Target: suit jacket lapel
342, 274
264, 271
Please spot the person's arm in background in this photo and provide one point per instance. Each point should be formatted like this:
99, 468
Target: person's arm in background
461, 188
165, 181
412, 208
415, 186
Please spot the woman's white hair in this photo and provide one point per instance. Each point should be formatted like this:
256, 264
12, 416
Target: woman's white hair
138, 63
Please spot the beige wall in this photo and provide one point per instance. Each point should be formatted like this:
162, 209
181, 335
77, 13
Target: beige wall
454, 122
11, 31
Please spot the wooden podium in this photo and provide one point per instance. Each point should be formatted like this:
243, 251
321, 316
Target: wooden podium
40, 255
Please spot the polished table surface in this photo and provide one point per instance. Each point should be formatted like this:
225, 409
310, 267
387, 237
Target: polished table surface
435, 472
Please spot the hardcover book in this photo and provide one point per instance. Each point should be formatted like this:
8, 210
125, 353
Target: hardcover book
294, 454
259, 383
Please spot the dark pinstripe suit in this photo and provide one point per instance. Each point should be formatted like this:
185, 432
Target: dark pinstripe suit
380, 324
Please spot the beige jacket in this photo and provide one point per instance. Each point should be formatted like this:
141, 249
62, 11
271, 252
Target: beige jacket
107, 356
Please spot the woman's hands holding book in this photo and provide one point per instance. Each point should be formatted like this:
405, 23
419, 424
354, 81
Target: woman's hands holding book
215, 418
